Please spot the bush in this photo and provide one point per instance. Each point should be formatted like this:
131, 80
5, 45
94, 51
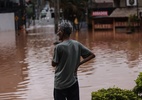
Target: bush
114, 94
138, 88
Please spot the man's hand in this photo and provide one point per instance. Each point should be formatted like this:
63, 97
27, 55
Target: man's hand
54, 64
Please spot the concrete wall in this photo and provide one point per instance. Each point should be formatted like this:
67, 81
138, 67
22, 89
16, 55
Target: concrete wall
7, 22
122, 3
140, 3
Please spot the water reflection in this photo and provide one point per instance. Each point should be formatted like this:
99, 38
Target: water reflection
26, 72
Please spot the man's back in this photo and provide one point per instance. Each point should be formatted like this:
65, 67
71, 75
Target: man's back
69, 58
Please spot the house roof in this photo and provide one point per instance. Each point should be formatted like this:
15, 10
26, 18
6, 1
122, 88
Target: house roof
123, 12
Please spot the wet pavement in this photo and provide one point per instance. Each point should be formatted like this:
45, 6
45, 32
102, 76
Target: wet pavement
25, 60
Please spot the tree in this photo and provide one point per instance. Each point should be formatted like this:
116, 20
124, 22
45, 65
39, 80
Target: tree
39, 4
71, 8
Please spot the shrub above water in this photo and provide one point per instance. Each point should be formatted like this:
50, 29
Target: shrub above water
114, 94
138, 88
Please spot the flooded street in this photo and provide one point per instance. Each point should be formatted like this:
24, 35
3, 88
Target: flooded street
26, 72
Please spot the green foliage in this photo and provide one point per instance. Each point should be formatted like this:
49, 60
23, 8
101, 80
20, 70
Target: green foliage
114, 94
30, 10
73, 7
132, 19
138, 88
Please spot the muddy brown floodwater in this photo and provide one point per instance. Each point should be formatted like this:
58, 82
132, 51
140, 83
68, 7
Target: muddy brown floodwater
25, 63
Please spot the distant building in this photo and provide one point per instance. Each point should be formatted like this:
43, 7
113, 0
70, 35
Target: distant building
16, 7
113, 14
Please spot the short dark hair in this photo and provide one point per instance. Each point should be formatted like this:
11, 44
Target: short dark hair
66, 27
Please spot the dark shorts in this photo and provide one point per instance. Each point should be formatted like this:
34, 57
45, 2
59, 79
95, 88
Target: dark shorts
71, 93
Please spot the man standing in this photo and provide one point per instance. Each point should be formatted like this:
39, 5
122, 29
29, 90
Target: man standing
76, 24
66, 59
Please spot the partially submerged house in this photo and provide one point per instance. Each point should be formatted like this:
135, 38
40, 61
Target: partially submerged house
116, 14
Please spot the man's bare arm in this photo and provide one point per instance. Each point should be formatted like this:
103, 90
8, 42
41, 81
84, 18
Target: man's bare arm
87, 59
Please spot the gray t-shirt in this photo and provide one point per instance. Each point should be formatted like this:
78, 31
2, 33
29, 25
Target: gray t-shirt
67, 54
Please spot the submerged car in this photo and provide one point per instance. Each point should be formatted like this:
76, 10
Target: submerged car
43, 13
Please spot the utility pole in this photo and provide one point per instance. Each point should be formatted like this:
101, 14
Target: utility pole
56, 15
138, 16
137, 9
22, 13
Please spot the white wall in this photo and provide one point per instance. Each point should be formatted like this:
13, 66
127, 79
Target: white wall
7, 22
